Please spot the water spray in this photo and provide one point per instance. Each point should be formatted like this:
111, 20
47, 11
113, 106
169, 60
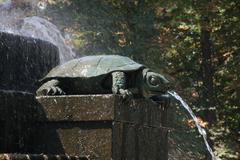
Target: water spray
200, 129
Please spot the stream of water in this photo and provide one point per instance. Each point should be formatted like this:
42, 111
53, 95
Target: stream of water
200, 129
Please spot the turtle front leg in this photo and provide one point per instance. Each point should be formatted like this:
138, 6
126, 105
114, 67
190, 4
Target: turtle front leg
119, 84
50, 88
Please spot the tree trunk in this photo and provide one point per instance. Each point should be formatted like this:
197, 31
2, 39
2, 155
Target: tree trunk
207, 70
207, 74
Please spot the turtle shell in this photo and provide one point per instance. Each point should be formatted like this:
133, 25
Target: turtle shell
93, 66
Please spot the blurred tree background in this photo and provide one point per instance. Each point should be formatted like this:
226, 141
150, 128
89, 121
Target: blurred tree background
195, 43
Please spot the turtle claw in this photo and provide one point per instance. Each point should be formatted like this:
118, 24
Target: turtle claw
126, 94
54, 90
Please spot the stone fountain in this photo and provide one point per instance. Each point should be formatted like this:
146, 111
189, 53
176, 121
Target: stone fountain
24, 61
70, 127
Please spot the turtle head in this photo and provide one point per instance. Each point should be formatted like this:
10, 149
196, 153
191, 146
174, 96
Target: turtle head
154, 84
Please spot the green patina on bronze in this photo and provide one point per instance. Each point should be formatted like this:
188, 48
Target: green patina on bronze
103, 74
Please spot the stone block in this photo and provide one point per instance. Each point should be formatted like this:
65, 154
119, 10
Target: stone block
102, 127
17, 111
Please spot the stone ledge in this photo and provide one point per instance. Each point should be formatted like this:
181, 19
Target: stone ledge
40, 157
77, 107
104, 107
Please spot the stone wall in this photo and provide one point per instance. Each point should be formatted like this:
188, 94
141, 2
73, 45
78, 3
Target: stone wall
103, 127
17, 110
99, 127
24, 61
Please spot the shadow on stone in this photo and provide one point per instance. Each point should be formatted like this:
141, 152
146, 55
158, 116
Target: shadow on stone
18, 114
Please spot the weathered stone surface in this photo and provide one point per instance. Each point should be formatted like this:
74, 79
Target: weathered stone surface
104, 127
77, 107
141, 112
24, 61
140, 130
100, 127
75, 139
139, 142
17, 109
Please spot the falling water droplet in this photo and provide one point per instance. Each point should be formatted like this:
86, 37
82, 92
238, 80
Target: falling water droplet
42, 5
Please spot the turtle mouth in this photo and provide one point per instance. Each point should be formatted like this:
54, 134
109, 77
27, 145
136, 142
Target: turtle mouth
155, 93
150, 94
160, 98
160, 90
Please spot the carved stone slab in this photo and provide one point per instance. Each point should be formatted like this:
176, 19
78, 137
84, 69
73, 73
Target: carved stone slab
103, 127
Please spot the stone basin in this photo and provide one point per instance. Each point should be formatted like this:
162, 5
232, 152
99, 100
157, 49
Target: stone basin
100, 127
24, 60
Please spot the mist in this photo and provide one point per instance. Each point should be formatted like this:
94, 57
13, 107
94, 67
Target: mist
26, 18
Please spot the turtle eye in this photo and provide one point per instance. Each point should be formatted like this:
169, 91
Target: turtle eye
153, 81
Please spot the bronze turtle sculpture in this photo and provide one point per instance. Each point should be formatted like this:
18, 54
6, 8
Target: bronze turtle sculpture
103, 74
